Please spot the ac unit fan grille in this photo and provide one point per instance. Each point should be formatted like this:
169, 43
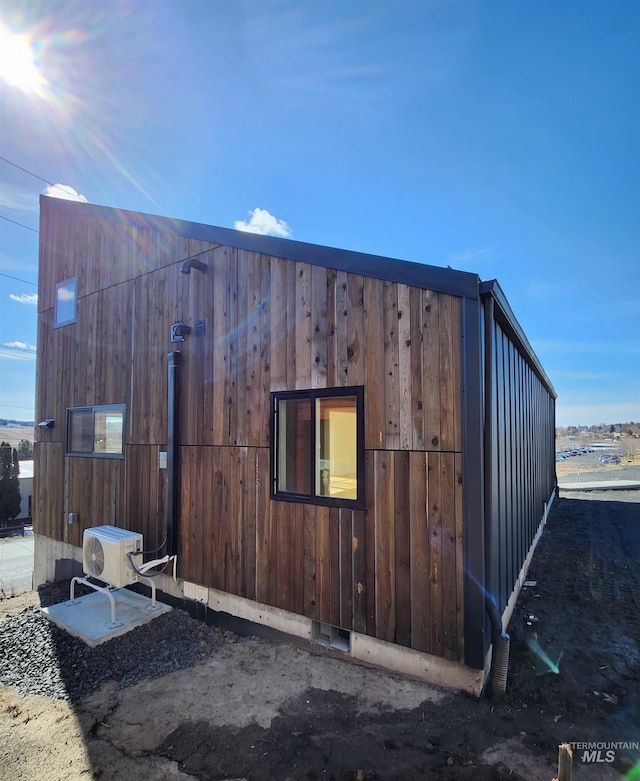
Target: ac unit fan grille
95, 557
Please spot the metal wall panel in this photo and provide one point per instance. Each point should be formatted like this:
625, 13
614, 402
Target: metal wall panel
519, 446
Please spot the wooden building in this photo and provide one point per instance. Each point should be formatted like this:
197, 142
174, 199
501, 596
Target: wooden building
344, 447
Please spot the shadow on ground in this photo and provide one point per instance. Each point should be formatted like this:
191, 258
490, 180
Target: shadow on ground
259, 710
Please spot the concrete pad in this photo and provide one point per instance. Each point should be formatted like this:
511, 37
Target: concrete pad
16, 564
89, 617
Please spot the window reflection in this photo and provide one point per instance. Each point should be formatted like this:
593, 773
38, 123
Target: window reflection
336, 435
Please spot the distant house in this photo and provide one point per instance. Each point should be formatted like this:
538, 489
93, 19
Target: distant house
26, 488
348, 448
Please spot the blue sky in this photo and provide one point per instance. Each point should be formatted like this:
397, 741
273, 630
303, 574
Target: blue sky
501, 138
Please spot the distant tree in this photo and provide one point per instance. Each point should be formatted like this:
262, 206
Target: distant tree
25, 450
9, 483
612, 428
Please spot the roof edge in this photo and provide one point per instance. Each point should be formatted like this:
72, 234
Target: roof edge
440, 279
508, 320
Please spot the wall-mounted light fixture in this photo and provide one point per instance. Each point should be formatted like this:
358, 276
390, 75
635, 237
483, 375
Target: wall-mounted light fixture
179, 331
48, 423
190, 263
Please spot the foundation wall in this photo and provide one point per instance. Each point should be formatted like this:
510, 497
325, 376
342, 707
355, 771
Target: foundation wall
56, 561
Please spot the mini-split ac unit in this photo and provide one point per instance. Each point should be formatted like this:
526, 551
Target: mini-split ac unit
105, 554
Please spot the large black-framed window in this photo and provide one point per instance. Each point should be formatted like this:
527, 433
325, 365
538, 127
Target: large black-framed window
317, 446
96, 431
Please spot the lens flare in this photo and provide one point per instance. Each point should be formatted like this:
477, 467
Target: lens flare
18, 62
534, 645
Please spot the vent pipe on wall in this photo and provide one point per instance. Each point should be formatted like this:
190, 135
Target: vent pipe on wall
190, 263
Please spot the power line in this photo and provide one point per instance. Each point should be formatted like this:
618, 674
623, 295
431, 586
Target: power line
19, 353
30, 350
8, 276
36, 176
20, 168
2, 217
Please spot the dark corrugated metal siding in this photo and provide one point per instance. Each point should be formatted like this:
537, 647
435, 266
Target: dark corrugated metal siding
519, 447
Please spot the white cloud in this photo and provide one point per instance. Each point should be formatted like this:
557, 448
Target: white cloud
11, 263
264, 223
593, 414
18, 351
17, 199
628, 308
569, 374
20, 345
468, 256
64, 191
549, 347
25, 298
65, 294
543, 291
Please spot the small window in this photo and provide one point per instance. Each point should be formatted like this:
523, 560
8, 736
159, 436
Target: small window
96, 431
65, 305
318, 446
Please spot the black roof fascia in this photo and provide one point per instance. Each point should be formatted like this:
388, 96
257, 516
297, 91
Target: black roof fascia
442, 280
504, 316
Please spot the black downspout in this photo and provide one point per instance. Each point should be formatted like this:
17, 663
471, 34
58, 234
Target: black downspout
475, 640
497, 682
172, 452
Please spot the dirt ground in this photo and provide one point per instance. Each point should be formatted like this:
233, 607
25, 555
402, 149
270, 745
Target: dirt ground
260, 710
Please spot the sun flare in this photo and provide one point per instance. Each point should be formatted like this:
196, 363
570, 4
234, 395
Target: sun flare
17, 65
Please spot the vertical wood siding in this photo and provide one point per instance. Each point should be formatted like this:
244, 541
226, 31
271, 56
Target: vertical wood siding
394, 570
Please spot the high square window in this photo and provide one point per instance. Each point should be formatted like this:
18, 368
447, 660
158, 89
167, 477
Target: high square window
317, 446
65, 303
96, 431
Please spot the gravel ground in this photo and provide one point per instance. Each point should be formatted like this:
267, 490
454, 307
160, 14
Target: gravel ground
264, 711
47, 661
